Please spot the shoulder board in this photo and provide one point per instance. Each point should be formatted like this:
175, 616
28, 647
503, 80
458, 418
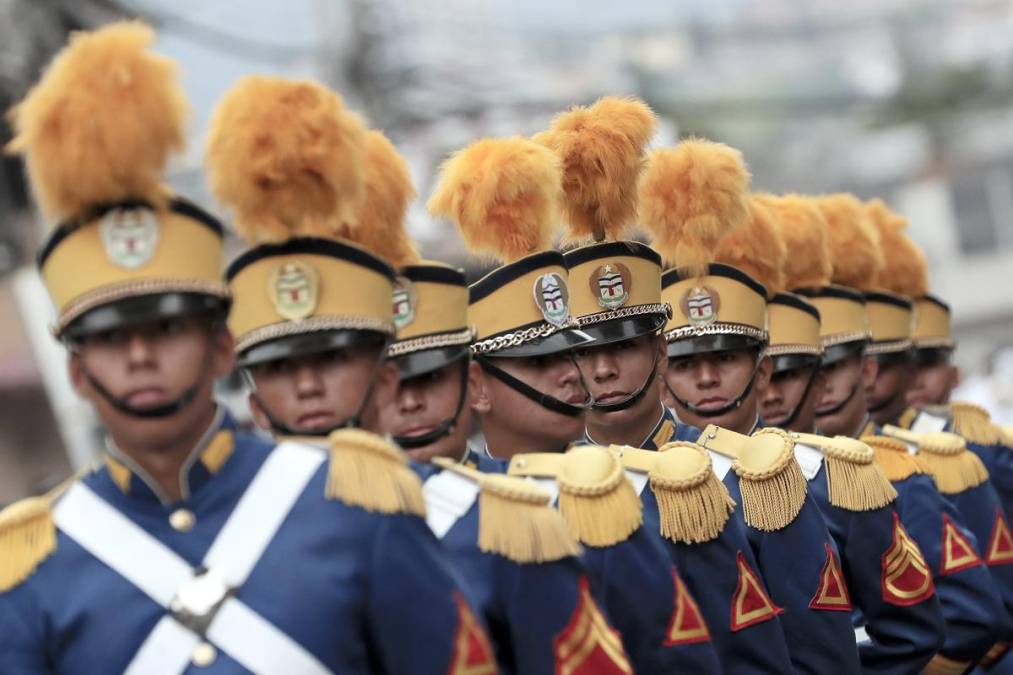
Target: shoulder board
371, 473
449, 495
854, 481
723, 441
893, 458
27, 538
975, 424
637, 459
693, 505
773, 487
596, 499
946, 458
536, 465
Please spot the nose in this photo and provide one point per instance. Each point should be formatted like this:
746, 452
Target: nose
139, 351
603, 366
308, 382
567, 373
824, 395
771, 395
707, 374
409, 400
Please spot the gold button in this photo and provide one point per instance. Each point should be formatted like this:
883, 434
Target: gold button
522, 463
204, 655
182, 520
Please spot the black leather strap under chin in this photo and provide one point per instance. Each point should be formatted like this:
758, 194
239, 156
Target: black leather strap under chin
633, 398
153, 412
801, 401
734, 404
447, 427
545, 400
840, 406
887, 402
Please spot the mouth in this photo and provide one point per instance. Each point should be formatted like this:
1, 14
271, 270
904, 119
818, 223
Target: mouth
147, 397
414, 432
315, 420
773, 418
576, 399
712, 403
826, 408
611, 397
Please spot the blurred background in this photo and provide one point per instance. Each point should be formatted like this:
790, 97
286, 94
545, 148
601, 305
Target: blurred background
908, 100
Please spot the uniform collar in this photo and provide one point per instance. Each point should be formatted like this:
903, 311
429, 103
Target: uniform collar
205, 460
667, 429
866, 428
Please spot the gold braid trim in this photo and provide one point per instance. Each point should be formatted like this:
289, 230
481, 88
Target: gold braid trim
773, 487
516, 521
893, 458
368, 472
940, 665
975, 424
854, 481
313, 324
596, 500
27, 538
946, 458
693, 504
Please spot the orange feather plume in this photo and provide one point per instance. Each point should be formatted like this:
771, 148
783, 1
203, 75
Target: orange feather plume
287, 158
905, 271
389, 192
756, 247
504, 196
804, 231
690, 197
101, 124
601, 148
854, 242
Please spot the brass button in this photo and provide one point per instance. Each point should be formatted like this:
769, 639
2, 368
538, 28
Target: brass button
204, 655
182, 520
522, 463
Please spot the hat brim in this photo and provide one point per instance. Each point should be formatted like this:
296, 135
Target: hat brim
707, 344
837, 353
786, 362
893, 358
303, 344
426, 361
628, 328
929, 356
142, 309
562, 341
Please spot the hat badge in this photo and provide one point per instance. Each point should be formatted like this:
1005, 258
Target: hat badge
611, 283
700, 304
294, 288
553, 298
129, 236
404, 302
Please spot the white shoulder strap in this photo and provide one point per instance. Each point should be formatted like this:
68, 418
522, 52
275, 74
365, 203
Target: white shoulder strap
810, 459
448, 497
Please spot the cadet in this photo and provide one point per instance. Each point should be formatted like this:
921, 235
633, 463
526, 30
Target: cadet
615, 291
853, 493
716, 342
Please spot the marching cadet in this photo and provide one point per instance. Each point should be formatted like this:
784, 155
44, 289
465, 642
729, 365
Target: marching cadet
615, 290
182, 541
644, 597
717, 365
853, 493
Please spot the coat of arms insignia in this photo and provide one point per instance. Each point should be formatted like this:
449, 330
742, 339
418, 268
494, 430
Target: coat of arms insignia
610, 285
293, 288
129, 236
700, 304
403, 303
553, 298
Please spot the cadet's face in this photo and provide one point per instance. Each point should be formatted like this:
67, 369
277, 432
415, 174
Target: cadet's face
886, 395
932, 384
422, 404
149, 366
843, 379
712, 380
313, 393
784, 394
555, 375
614, 371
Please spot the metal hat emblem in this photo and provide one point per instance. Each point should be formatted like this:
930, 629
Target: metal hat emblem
700, 305
404, 301
611, 284
553, 298
129, 236
294, 288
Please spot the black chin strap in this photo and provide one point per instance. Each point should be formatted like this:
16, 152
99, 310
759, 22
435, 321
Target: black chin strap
448, 426
840, 406
545, 400
633, 398
734, 404
887, 402
152, 412
798, 406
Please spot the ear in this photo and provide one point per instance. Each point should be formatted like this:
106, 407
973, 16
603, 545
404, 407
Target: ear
478, 393
223, 351
662, 344
666, 395
257, 413
764, 371
75, 369
870, 369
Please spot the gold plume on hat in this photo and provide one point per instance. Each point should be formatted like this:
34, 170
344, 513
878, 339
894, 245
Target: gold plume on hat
854, 241
906, 271
100, 125
504, 196
804, 231
690, 197
756, 247
389, 192
601, 148
287, 158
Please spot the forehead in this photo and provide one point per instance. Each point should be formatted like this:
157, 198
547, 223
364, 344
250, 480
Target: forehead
744, 354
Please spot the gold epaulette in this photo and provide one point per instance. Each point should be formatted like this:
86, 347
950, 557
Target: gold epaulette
946, 458
27, 538
723, 441
515, 519
893, 458
536, 464
693, 504
940, 665
907, 418
597, 501
975, 424
854, 481
369, 472
770, 479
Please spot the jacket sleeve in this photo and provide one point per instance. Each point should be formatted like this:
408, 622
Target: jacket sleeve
22, 641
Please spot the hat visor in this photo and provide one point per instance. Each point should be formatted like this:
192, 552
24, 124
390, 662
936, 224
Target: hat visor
837, 353
142, 309
563, 341
785, 362
891, 358
427, 360
705, 344
929, 356
619, 330
315, 342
